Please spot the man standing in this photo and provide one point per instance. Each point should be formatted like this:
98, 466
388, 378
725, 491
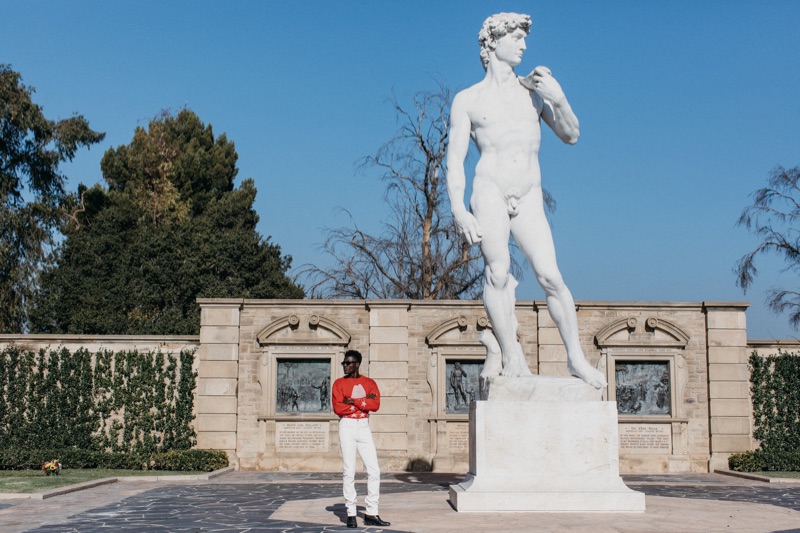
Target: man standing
354, 397
502, 113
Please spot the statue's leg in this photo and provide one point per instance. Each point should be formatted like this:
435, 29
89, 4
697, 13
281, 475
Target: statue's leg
494, 362
532, 234
490, 209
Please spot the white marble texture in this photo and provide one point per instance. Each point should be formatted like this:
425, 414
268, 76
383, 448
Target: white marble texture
545, 456
502, 115
538, 388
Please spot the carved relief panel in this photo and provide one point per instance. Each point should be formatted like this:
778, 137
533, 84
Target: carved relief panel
647, 375
298, 364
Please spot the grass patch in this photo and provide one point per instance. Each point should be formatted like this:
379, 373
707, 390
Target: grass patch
27, 481
790, 475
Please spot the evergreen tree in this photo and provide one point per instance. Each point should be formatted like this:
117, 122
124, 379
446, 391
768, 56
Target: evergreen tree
31, 190
168, 229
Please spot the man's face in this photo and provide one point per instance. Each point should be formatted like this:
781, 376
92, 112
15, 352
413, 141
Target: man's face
350, 366
510, 47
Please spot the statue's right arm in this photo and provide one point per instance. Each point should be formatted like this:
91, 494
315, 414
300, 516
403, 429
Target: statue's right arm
460, 127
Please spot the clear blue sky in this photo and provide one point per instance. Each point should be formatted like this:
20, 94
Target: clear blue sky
685, 107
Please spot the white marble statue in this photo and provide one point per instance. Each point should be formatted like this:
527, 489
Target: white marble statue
501, 113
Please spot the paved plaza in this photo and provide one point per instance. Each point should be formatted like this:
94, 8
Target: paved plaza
310, 502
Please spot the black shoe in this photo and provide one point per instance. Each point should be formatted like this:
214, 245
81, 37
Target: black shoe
375, 520
352, 522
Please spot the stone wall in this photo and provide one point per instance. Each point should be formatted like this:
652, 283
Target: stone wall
265, 369
96, 343
410, 348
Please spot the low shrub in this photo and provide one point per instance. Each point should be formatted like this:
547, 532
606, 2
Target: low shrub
174, 460
187, 460
765, 461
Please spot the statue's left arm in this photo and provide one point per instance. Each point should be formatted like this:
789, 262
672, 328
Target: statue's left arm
556, 111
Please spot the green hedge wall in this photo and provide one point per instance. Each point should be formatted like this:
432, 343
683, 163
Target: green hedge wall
775, 389
117, 402
775, 392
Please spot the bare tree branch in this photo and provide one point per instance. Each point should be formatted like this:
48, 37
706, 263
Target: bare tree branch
771, 217
418, 253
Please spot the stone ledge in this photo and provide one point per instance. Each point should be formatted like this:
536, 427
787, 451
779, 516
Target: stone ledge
57, 492
180, 477
756, 477
108, 480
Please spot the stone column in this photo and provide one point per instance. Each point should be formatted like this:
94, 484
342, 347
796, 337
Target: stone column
218, 374
388, 365
728, 381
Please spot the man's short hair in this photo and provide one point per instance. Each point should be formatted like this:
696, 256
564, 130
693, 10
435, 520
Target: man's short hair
355, 354
495, 27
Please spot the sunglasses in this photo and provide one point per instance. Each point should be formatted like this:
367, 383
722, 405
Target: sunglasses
346, 363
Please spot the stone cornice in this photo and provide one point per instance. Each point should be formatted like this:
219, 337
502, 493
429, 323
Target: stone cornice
72, 338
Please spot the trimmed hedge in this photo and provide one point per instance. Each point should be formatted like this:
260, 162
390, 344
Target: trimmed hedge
174, 460
185, 460
764, 461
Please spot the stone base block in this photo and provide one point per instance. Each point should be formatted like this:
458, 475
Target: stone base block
549, 456
538, 388
546, 501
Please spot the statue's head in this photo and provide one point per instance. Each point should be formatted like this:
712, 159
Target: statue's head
496, 27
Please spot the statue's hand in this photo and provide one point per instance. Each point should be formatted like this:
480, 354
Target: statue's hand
542, 81
468, 226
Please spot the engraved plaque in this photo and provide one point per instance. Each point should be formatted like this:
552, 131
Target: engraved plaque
458, 437
301, 436
645, 438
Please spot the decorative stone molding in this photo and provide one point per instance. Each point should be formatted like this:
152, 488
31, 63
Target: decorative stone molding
437, 336
628, 332
460, 332
297, 330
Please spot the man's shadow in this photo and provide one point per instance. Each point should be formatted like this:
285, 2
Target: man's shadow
340, 510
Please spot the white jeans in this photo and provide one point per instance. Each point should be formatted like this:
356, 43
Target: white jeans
355, 435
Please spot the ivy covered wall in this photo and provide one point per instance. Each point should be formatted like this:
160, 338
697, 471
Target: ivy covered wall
113, 401
775, 391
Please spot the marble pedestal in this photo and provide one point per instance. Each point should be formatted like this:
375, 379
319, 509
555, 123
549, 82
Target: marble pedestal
551, 456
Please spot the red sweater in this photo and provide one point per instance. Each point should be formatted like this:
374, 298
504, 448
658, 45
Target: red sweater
358, 389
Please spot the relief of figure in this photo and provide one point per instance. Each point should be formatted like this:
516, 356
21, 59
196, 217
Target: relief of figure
323, 393
457, 378
662, 393
628, 401
502, 115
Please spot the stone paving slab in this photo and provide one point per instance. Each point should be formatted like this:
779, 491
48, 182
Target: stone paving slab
306, 502
422, 512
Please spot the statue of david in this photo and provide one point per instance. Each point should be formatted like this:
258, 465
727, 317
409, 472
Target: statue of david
502, 114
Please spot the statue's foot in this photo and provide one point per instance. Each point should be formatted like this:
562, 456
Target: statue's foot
492, 366
582, 369
515, 367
